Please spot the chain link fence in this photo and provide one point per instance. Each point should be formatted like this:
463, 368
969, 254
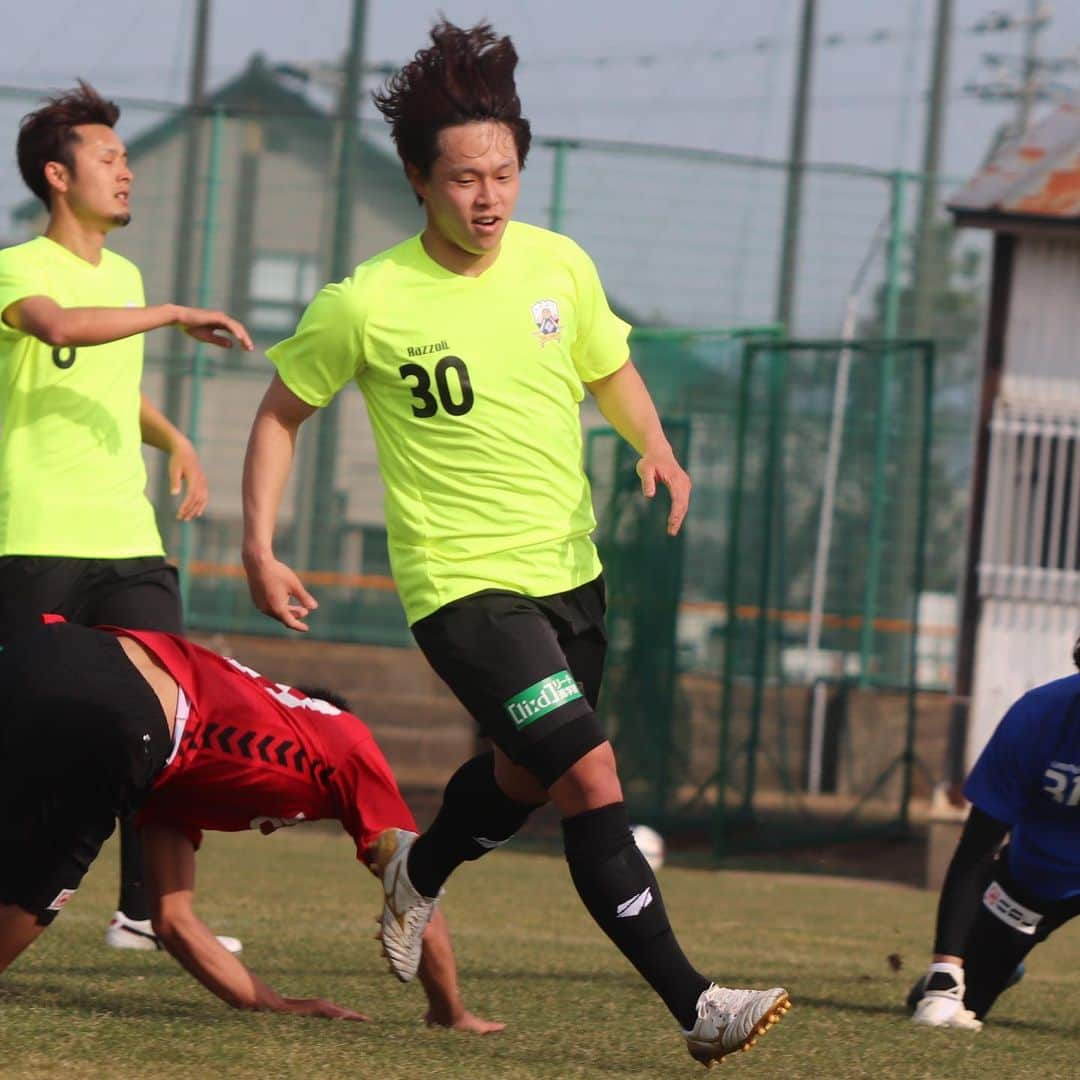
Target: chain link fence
249, 203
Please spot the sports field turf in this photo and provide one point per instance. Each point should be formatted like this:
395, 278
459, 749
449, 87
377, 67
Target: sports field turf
528, 956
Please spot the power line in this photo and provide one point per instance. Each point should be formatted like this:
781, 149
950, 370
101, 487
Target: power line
988, 25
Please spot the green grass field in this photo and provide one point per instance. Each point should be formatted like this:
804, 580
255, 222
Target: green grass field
529, 956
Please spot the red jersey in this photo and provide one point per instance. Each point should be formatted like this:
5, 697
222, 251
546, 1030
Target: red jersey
255, 754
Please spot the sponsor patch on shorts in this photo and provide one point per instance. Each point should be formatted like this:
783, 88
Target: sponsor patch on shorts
1009, 911
62, 897
541, 698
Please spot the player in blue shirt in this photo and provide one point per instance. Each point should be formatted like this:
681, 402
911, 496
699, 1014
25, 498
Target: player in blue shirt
998, 903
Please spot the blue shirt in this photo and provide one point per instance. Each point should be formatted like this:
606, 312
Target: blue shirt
1028, 776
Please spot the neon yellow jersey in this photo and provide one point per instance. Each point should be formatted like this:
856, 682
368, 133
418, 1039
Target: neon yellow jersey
72, 478
473, 386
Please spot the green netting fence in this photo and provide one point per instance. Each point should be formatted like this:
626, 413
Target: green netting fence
763, 670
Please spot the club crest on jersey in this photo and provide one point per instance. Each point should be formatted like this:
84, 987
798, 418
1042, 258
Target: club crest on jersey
545, 314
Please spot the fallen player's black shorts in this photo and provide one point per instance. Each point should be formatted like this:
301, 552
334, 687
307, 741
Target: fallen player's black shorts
527, 668
82, 738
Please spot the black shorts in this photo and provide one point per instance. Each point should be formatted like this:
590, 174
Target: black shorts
82, 737
141, 593
527, 668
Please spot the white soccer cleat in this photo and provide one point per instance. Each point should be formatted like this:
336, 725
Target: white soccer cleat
405, 912
730, 1020
125, 933
942, 1003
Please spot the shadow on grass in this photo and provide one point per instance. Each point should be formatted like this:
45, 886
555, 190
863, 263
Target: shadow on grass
140, 1004
902, 1014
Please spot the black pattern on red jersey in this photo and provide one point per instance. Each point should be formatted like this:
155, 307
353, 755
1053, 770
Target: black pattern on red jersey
270, 749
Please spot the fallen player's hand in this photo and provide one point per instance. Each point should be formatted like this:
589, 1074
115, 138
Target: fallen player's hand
467, 1021
320, 1007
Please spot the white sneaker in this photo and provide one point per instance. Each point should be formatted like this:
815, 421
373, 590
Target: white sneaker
125, 933
942, 1003
405, 912
730, 1020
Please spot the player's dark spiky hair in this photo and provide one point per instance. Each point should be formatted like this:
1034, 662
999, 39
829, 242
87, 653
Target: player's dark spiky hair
47, 133
329, 696
466, 75
1076, 653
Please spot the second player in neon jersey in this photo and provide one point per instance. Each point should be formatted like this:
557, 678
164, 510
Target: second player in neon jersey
474, 344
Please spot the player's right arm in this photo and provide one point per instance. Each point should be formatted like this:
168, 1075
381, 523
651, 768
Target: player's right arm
43, 318
170, 871
275, 588
438, 975
965, 881
323, 355
998, 791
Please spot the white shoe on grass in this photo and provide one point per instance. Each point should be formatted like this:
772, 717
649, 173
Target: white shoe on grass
405, 913
125, 933
730, 1020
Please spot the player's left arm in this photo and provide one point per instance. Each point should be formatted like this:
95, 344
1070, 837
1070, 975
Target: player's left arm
184, 465
170, 871
438, 976
965, 880
627, 405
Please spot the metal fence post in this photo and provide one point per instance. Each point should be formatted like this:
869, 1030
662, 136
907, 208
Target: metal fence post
918, 576
206, 273
731, 592
881, 437
777, 380
894, 255
557, 212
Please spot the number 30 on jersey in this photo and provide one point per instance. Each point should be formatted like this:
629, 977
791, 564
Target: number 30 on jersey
456, 400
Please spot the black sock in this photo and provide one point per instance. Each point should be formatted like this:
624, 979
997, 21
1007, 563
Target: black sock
474, 818
132, 892
620, 891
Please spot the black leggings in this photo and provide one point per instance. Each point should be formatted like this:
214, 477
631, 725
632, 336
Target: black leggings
995, 946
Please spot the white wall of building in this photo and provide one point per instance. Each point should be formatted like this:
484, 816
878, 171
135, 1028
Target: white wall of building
1029, 584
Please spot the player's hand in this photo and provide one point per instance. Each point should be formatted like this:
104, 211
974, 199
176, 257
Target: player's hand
942, 1003
938, 1010
664, 468
278, 592
186, 469
212, 327
467, 1021
320, 1007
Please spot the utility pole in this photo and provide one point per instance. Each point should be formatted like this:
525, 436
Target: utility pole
317, 507
184, 246
1029, 67
789, 252
928, 271
1025, 79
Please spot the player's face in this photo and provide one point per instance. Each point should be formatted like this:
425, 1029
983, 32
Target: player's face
471, 192
99, 187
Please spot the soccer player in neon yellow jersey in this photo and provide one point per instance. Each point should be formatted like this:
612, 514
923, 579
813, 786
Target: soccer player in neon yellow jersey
474, 344
77, 533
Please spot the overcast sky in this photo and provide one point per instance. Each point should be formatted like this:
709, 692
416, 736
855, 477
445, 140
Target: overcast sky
715, 74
